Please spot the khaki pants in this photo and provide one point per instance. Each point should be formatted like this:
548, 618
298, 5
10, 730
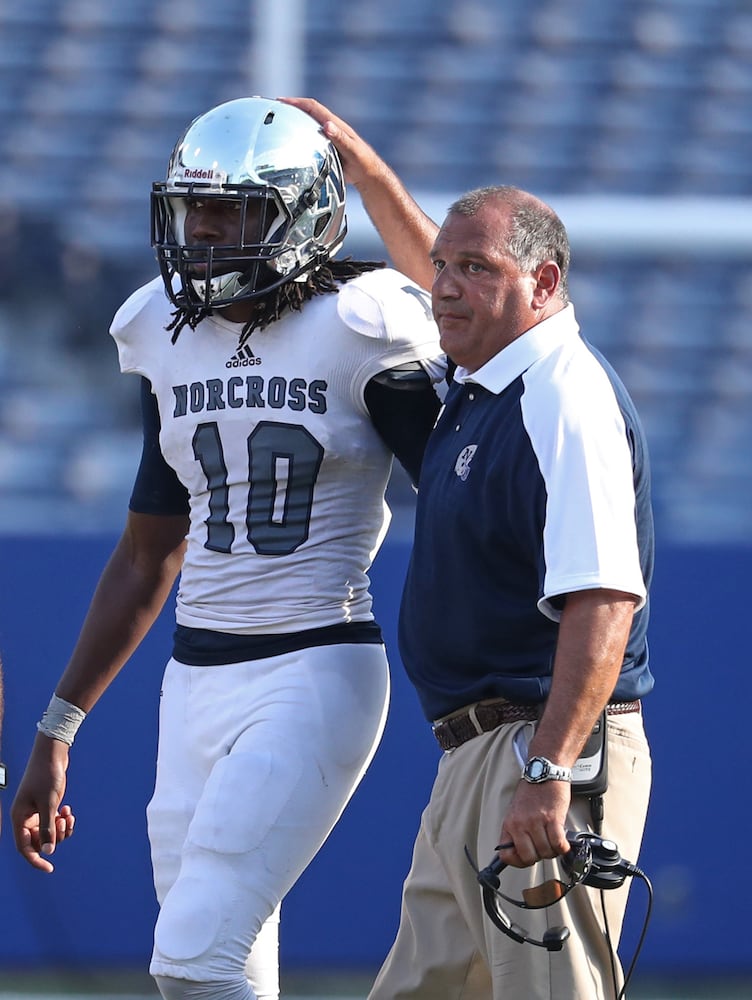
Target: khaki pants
446, 947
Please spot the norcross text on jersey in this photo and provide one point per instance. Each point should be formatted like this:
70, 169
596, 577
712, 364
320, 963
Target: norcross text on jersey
252, 390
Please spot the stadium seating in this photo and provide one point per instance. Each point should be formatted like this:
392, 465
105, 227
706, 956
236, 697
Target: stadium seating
570, 97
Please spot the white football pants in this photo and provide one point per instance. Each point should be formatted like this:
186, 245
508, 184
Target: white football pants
256, 763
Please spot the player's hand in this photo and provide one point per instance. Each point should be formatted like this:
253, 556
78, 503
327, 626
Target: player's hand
359, 160
39, 822
535, 823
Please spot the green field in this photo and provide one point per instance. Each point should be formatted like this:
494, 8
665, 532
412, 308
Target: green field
107, 985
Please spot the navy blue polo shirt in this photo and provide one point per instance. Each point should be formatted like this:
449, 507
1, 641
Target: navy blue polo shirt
535, 484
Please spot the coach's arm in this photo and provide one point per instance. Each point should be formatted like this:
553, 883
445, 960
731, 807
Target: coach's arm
408, 233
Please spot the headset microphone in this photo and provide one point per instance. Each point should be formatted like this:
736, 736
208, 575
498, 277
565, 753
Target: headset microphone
554, 937
590, 861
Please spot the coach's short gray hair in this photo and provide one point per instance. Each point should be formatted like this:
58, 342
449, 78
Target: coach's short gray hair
537, 234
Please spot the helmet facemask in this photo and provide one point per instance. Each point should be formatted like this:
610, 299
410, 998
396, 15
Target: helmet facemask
229, 271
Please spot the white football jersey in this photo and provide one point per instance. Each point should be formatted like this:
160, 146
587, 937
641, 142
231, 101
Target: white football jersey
285, 471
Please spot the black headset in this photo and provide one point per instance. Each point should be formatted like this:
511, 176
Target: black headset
591, 861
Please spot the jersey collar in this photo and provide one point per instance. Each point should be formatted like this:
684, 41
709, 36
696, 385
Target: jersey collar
503, 368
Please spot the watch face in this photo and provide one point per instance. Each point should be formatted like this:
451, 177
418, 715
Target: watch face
536, 769
3, 776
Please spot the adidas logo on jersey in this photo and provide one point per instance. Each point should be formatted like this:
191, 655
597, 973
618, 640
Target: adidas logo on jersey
242, 358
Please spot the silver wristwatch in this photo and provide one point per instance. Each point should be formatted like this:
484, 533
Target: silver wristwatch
540, 769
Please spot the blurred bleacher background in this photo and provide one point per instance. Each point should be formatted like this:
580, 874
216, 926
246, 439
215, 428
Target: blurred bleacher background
632, 117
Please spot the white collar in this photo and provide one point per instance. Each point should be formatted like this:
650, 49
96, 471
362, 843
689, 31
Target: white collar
511, 361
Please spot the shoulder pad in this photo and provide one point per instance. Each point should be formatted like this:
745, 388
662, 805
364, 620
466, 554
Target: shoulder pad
133, 329
379, 303
138, 302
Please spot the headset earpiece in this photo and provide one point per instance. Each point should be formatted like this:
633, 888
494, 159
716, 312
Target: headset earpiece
608, 870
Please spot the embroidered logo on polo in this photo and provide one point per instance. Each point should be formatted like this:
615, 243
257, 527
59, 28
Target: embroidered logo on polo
242, 358
465, 457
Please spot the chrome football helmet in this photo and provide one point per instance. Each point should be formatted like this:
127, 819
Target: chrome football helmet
288, 182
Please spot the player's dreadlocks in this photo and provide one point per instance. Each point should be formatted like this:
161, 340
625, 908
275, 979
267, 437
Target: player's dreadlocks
324, 279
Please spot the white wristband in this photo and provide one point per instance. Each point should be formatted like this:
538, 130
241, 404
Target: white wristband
61, 720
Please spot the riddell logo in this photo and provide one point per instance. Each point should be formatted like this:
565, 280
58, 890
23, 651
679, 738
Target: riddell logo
243, 358
198, 174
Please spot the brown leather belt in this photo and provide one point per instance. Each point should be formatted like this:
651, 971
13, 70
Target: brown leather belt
454, 730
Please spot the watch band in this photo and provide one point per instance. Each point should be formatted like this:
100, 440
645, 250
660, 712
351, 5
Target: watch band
539, 769
3, 776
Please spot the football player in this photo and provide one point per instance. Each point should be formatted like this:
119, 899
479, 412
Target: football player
277, 383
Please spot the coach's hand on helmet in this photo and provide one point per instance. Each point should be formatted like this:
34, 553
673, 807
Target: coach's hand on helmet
359, 160
39, 822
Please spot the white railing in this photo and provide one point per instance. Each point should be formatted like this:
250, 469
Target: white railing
619, 224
